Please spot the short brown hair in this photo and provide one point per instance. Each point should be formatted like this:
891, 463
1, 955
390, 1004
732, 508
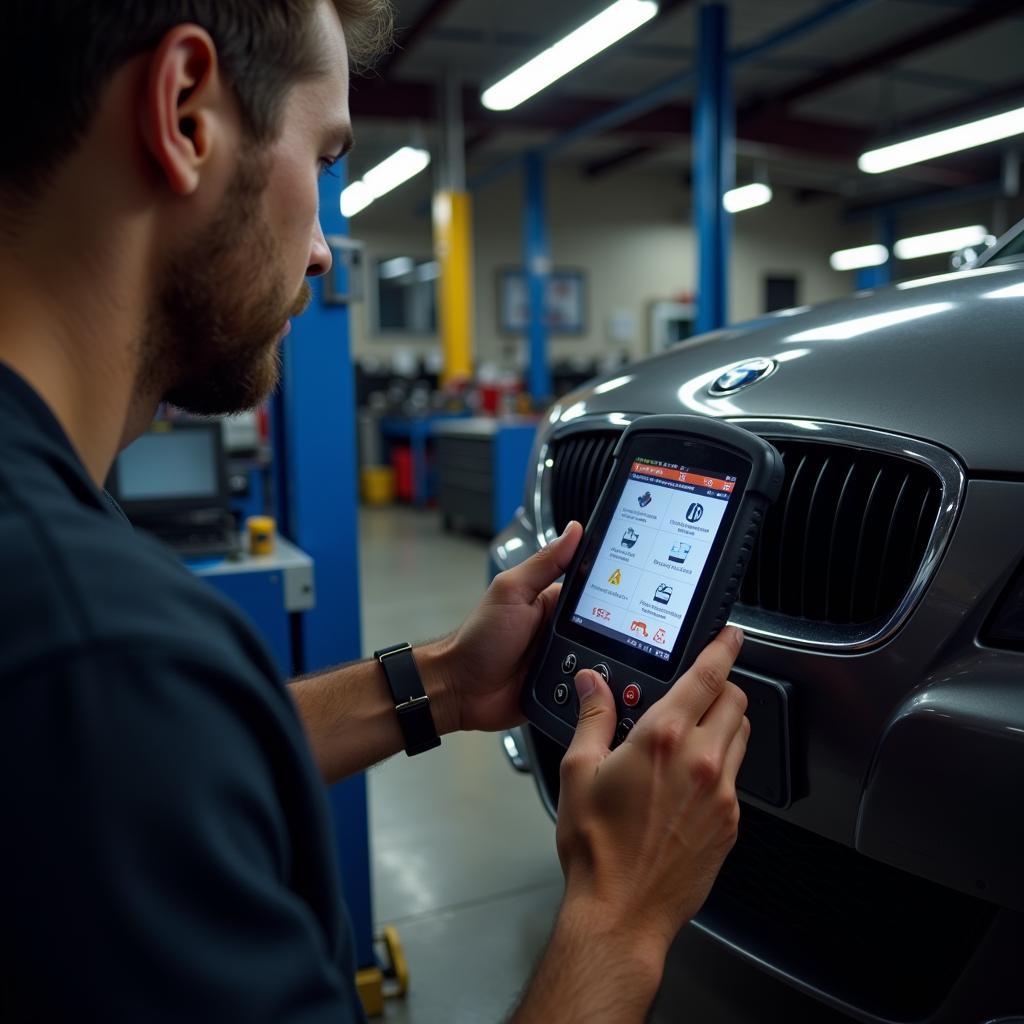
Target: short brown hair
56, 56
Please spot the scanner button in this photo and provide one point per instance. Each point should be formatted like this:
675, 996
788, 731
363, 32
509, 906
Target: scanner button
631, 695
625, 724
569, 663
561, 694
603, 671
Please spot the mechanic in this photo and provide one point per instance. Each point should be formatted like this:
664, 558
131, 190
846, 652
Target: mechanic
166, 848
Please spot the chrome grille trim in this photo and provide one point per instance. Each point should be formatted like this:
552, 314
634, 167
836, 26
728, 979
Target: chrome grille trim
772, 627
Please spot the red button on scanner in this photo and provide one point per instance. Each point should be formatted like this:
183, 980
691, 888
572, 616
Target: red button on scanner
631, 695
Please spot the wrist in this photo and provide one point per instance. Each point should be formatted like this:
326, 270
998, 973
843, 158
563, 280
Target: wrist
434, 663
633, 946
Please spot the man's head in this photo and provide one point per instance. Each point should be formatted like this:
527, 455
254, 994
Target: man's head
213, 118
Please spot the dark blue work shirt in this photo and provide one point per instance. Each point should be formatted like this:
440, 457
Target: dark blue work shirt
165, 846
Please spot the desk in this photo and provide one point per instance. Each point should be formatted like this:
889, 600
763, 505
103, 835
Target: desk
269, 589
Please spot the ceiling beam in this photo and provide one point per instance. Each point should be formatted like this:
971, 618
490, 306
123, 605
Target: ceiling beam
994, 101
404, 100
761, 120
598, 168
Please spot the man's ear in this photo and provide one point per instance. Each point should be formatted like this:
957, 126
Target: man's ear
182, 105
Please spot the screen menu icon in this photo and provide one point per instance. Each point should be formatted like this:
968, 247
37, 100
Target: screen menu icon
679, 553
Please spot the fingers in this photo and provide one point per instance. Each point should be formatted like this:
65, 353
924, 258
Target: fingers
596, 725
542, 569
736, 751
700, 686
548, 600
723, 717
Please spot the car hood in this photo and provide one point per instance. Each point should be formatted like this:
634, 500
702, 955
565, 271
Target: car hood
940, 358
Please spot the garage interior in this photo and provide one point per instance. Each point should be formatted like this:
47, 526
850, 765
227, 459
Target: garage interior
710, 171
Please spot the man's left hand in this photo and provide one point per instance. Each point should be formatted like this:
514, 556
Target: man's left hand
486, 660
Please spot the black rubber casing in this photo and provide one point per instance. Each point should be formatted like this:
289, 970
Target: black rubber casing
554, 708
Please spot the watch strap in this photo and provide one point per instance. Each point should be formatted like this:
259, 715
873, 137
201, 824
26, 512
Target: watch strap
411, 701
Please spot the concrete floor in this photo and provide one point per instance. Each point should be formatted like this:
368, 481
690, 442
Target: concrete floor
463, 853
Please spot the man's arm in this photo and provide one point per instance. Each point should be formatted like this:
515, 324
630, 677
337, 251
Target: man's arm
349, 713
642, 832
472, 677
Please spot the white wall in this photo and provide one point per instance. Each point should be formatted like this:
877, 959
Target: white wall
631, 233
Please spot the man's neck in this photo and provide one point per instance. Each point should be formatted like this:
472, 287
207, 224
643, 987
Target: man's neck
73, 333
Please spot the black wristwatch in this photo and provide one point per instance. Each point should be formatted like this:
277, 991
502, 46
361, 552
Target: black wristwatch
411, 701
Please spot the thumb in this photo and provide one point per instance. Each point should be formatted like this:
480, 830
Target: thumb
596, 725
540, 570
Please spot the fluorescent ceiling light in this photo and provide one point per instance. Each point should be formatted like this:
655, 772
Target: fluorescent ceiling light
746, 197
608, 27
865, 324
402, 165
858, 258
354, 198
951, 140
939, 242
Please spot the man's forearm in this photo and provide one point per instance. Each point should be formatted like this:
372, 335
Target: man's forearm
350, 717
593, 974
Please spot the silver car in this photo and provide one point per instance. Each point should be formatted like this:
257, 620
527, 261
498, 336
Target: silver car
880, 864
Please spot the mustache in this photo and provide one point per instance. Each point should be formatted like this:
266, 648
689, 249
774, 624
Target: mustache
302, 301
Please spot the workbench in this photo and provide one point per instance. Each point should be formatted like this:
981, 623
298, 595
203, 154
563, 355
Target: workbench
481, 470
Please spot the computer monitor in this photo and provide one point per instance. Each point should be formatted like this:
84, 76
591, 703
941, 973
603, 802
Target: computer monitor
173, 468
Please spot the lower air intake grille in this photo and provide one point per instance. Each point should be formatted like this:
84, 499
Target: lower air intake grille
841, 546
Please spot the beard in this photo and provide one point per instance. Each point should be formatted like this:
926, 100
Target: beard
211, 345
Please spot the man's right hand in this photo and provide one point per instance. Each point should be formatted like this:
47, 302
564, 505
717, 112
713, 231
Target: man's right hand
643, 829
642, 832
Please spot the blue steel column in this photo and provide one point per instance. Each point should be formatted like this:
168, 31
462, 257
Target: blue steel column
538, 269
713, 167
875, 277
317, 477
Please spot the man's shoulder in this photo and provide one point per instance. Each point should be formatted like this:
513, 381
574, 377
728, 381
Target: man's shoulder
78, 576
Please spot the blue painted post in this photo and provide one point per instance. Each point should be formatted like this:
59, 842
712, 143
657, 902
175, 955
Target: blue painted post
538, 270
317, 477
713, 167
876, 277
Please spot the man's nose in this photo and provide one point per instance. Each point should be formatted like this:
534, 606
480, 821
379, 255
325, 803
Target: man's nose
320, 258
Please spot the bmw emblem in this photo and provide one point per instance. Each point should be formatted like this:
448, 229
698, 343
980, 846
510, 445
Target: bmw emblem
742, 375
